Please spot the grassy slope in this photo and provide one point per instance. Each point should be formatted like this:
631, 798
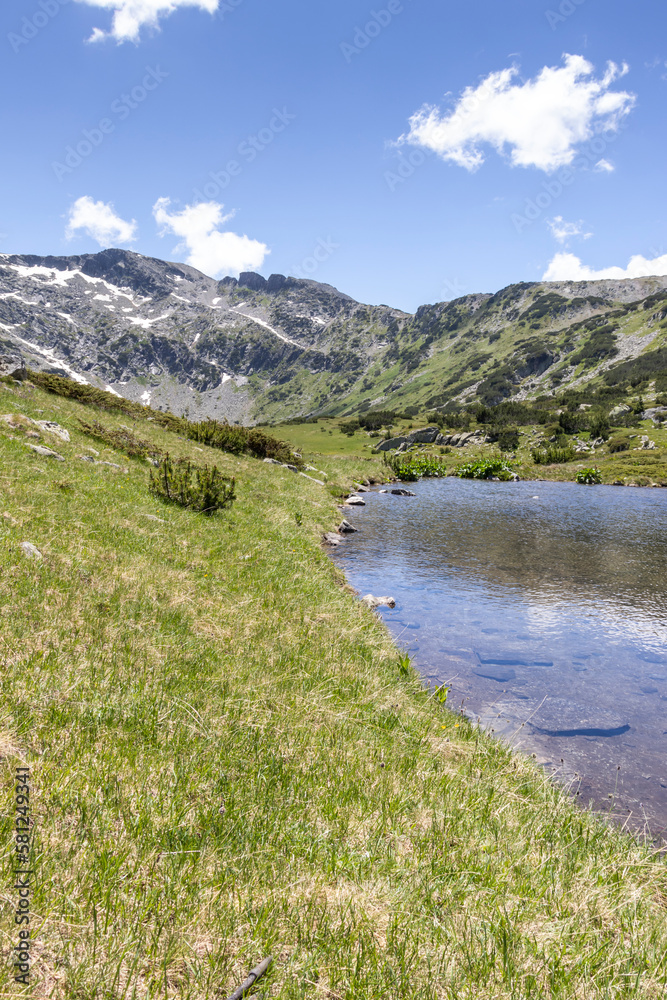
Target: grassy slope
229, 761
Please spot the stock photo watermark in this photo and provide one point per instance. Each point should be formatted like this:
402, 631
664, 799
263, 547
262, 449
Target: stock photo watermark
321, 252
551, 190
121, 108
22, 873
33, 24
364, 34
566, 9
246, 151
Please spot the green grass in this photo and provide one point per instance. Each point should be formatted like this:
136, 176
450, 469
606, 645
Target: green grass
231, 759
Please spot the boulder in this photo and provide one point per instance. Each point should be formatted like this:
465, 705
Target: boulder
403, 493
272, 461
391, 444
378, 602
355, 501
46, 452
53, 428
331, 539
425, 435
619, 410
12, 366
30, 550
345, 528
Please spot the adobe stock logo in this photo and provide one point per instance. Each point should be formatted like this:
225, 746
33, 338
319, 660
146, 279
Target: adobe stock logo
31, 26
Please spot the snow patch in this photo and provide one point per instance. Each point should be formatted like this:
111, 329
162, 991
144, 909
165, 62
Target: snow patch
69, 319
145, 397
102, 298
146, 323
181, 299
15, 295
197, 336
266, 327
47, 352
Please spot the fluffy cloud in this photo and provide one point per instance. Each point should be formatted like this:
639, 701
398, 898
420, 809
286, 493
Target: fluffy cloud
130, 16
209, 250
567, 267
99, 220
563, 231
540, 122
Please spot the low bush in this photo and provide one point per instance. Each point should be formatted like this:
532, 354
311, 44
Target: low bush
618, 444
486, 468
196, 487
589, 477
552, 456
120, 440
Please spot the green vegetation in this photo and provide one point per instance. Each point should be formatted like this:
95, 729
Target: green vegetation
486, 468
121, 439
589, 477
415, 466
194, 487
552, 456
230, 759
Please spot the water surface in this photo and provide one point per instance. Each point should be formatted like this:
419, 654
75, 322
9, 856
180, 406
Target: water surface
543, 606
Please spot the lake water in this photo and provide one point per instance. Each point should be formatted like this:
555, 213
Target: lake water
544, 607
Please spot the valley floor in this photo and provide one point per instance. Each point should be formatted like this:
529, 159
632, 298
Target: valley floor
229, 759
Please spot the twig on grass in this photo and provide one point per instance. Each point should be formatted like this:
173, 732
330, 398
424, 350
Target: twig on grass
253, 976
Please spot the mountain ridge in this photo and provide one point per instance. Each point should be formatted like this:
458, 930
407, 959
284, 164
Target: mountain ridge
259, 349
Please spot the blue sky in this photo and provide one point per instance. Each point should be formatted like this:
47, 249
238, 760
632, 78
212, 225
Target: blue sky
405, 151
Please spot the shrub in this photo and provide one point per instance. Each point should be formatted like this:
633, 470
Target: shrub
618, 444
552, 456
120, 440
589, 477
486, 468
195, 487
411, 467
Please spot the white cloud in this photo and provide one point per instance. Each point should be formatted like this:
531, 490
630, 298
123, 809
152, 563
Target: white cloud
99, 220
209, 250
567, 267
130, 16
604, 167
563, 231
540, 121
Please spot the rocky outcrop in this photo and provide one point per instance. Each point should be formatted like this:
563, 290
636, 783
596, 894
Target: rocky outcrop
12, 366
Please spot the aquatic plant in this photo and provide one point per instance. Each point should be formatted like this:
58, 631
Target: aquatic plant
589, 477
486, 468
411, 467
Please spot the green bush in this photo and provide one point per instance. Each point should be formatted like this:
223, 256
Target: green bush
196, 487
618, 444
486, 468
411, 467
120, 439
552, 456
589, 477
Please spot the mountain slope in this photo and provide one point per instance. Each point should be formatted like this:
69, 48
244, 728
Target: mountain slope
166, 334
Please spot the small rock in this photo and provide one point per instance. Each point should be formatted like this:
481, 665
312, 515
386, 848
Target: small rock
345, 528
376, 602
30, 550
46, 452
383, 491
362, 489
292, 468
86, 458
34, 435
355, 501
312, 479
92, 451
53, 428
152, 517
330, 539
272, 461
403, 493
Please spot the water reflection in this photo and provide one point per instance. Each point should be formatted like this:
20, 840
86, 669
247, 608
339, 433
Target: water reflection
544, 606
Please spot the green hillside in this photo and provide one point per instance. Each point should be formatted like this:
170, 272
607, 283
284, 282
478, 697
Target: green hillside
230, 759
